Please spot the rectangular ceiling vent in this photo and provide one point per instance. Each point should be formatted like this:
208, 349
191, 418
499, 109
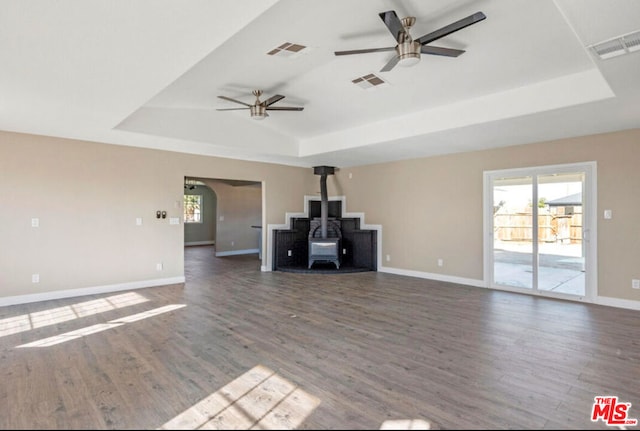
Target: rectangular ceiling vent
369, 81
288, 49
617, 46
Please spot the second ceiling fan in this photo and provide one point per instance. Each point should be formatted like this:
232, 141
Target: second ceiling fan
259, 109
408, 50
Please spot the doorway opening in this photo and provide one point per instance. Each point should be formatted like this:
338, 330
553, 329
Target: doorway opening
223, 215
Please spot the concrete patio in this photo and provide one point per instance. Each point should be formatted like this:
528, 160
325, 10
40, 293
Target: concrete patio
561, 266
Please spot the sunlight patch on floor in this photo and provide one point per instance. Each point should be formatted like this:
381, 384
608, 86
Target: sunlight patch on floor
405, 424
258, 399
78, 333
39, 319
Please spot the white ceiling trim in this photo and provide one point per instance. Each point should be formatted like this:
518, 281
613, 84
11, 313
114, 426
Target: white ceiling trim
565, 91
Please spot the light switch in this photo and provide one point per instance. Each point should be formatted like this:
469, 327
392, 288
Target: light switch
608, 214
174, 220
138, 221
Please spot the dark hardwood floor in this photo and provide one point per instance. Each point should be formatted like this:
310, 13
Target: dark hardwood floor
312, 351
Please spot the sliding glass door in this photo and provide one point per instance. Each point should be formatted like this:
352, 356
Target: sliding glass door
538, 225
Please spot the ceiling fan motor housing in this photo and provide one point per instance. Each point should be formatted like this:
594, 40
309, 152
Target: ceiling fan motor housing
258, 111
408, 52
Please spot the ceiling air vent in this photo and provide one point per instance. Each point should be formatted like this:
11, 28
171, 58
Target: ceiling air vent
369, 81
287, 49
620, 45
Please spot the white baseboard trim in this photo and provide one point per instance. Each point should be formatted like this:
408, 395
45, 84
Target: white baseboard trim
235, 252
95, 290
265, 268
199, 243
433, 276
617, 302
600, 300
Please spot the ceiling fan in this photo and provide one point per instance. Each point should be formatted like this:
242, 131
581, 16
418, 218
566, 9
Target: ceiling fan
408, 50
259, 109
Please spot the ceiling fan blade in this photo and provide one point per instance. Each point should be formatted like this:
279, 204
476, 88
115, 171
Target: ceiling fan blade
233, 100
436, 50
364, 51
284, 108
448, 29
394, 25
273, 99
231, 109
391, 64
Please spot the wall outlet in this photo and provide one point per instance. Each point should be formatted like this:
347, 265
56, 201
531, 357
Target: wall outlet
635, 283
35, 278
233, 243
440, 262
344, 251
35, 222
608, 214
138, 221
288, 252
388, 258
159, 266
221, 218
174, 220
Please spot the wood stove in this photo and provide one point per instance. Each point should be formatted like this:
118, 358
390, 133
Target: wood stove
347, 248
324, 247
324, 250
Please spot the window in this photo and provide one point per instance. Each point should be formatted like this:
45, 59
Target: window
193, 208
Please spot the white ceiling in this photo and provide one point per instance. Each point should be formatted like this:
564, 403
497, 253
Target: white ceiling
147, 73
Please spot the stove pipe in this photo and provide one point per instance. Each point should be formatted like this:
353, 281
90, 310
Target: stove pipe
323, 171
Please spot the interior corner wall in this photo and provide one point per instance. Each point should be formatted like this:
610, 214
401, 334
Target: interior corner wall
87, 197
432, 208
239, 208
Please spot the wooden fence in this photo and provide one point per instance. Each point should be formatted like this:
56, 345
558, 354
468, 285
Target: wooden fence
551, 228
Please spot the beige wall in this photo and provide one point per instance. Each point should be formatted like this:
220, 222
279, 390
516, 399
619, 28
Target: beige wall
87, 197
241, 208
431, 208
